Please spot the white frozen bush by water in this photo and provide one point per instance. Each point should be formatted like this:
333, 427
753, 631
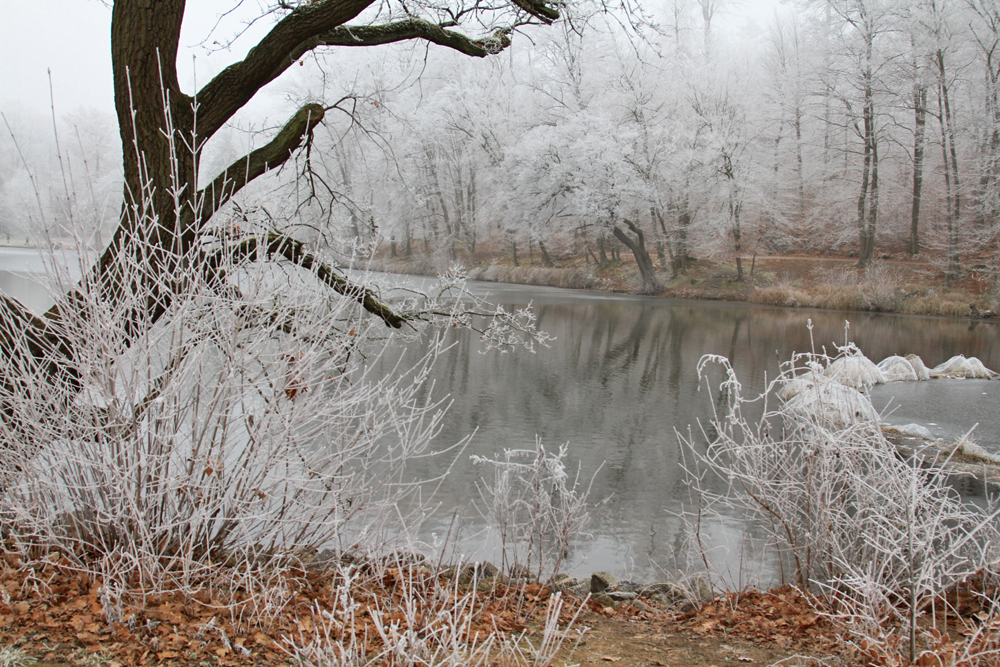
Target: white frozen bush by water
960, 367
853, 369
535, 507
898, 369
798, 384
883, 535
919, 368
833, 406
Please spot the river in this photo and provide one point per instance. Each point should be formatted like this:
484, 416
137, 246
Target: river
617, 381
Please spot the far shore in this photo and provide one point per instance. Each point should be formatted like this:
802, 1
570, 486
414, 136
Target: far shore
892, 285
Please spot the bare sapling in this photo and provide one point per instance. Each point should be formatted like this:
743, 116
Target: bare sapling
535, 507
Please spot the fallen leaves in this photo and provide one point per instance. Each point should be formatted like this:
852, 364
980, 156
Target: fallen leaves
162, 628
782, 616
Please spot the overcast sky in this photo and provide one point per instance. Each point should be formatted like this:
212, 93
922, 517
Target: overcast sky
71, 38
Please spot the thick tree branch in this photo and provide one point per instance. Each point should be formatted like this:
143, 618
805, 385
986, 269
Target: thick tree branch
252, 165
321, 23
410, 29
232, 88
280, 245
538, 9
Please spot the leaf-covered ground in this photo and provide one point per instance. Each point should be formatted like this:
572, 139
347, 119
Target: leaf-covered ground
57, 617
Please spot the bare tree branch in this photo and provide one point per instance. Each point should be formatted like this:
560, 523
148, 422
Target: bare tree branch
280, 245
262, 160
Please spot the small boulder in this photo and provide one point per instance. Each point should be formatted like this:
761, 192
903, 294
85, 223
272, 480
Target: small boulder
478, 571
665, 592
627, 586
604, 600
622, 596
601, 581
578, 588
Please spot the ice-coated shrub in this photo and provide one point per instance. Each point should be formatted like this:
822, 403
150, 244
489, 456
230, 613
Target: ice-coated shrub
853, 369
898, 369
960, 367
919, 368
833, 406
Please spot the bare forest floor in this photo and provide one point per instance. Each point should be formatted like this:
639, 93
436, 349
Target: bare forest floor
895, 283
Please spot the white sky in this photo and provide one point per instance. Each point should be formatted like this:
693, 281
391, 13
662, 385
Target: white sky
70, 38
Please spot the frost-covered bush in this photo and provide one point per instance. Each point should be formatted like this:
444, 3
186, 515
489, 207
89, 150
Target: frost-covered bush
243, 424
960, 367
807, 381
832, 405
535, 507
885, 536
898, 369
853, 369
918, 367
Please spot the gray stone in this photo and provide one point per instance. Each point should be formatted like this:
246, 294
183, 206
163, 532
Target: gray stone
628, 586
637, 606
622, 595
604, 600
664, 592
601, 581
478, 571
578, 588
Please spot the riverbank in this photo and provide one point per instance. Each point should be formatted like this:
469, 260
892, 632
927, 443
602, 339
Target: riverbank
891, 285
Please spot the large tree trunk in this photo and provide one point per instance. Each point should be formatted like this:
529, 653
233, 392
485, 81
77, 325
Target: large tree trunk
868, 197
953, 215
164, 221
919, 123
638, 248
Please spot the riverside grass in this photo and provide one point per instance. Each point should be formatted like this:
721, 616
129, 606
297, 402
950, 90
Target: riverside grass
913, 287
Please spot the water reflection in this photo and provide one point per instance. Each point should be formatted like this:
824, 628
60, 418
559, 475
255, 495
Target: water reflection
618, 380
621, 377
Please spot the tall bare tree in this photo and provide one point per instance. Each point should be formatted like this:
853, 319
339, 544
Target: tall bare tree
163, 128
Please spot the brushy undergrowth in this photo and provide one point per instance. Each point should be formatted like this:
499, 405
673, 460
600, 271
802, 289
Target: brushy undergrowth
881, 539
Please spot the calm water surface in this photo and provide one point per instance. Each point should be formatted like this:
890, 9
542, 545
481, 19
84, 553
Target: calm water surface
621, 377
616, 383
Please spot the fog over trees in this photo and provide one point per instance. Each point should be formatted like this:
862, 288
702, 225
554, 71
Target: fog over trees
860, 127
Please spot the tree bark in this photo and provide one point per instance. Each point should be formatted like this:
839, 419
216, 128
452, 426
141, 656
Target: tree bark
868, 197
642, 259
919, 124
165, 218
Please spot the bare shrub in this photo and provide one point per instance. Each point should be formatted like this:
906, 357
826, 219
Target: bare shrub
238, 427
535, 507
883, 537
423, 621
223, 410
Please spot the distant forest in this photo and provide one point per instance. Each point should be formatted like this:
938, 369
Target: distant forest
857, 127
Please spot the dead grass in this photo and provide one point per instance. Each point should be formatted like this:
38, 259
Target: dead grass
902, 286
